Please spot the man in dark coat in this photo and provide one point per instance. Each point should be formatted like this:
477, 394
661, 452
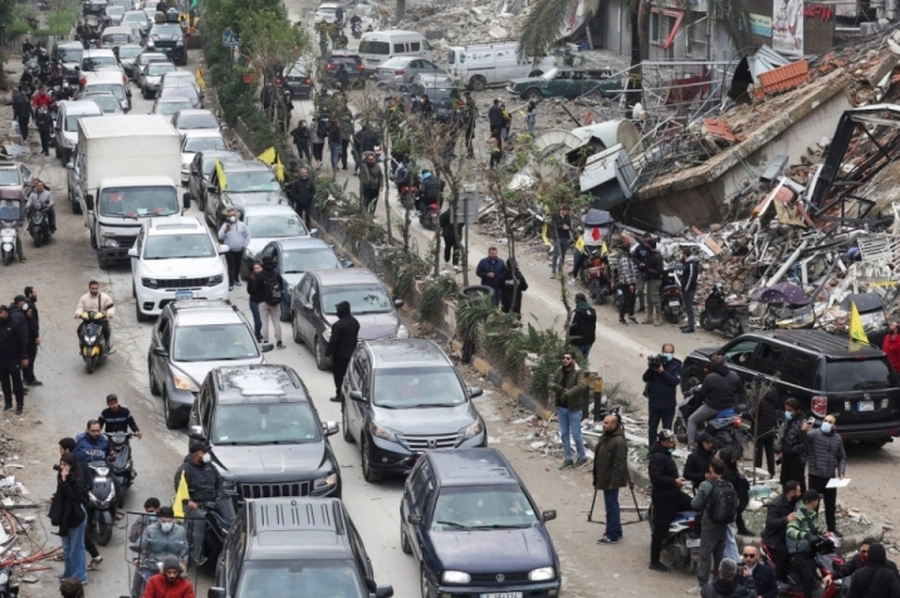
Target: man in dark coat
371, 180
722, 389
452, 235
22, 112
765, 428
878, 579
583, 328
495, 119
13, 357
667, 496
303, 192
205, 486
662, 380
28, 304
640, 257
489, 270
780, 512
611, 473
44, 123
763, 575
512, 284
690, 272
697, 465
344, 336
653, 270
728, 584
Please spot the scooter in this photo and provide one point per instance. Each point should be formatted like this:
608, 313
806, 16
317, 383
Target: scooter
123, 464
92, 343
101, 503
718, 314
356, 29
595, 273
39, 226
827, 562
729, 428
670, 296
429, 216
8, 234
682, 542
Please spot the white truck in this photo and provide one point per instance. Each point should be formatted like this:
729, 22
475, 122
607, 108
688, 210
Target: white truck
488, 65
123, 171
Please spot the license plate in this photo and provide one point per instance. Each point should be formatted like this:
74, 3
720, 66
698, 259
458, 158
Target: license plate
503, 595
674, 302
693, 542
184, 294
865, 406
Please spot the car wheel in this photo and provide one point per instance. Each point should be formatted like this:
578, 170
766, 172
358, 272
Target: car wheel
691, 379
154, 387
138, 314
423, 582
368, 474
173, 422
533, 94
103, 262
477, 83
320, 355
404, 541
295, 330
345, 425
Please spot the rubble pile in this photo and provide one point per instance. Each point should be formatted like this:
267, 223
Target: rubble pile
472, 22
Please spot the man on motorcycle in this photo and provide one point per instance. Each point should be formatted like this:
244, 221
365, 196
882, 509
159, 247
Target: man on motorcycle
116, 418
100, 302
170, 582
666, 494
205, 486
802, 532
697, 466
91, 445
721, 389
41, 199
161, 538
41, 98
779, 513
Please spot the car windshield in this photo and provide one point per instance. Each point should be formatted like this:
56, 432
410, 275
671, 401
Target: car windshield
9, 177
136, 17
116, 38
330, 579
128, 52
274, 227
117, 89
298, 70
70, 54
268, 423
169, 247
855, 375
197, 121
304, 260
169, 108
214, 342
260, 181
97, 62
114, 11
198, 144
166, 30
109, 104
363, 299
482, 508
186, 91
158, 69
408, 388
139, 202
72, 121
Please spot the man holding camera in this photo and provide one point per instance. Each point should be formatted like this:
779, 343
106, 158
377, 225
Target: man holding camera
662, 378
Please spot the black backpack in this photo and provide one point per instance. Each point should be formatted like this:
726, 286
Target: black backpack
272, 290
722, 504
322, 128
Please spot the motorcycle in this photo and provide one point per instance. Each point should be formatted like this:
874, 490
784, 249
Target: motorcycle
670, 296
101, 503
7, 588
682, 541
10, 219
718, 314
356, 29
39, 226
123, 464
827, 562
429, 215
729, 428
92, 343
595, 273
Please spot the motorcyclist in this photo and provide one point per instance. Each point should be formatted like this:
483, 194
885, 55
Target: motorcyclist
779, 513
667, 496
161, 538
170, 582
721, 389
100, 302
41, 199
430, 189
116, 418
204, 485
801, 534
91, 445
356, 25
41, 98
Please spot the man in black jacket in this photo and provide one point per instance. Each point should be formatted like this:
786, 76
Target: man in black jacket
667, 496
662, 380
640, 257
697, 465
721, 390
344, 336
495, 119
303, 192
205, 486
27, 303
652, 270
13, 357
583, 328
780, 512
22, 112
562, 225
878, 579
690, 272
452, 236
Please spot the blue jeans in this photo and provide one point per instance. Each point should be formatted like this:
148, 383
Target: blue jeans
257, 322
585, 349
560, 248
303, 149
335, 148
613, 518
657, 414
73, 549
570, 421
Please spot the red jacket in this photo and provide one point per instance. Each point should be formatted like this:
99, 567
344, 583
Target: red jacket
158, 587
891, 346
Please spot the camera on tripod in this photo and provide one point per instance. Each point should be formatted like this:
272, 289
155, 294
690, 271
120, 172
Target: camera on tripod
654, 362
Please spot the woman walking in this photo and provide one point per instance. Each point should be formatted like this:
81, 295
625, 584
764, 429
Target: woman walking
256, 290
67, 512
891, 345
300, 136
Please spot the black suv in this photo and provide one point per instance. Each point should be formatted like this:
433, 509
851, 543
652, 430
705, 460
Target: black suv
264, 433
356, 68
827, 373
401, 397
295, 547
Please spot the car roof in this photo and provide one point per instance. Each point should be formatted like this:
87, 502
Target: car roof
229, 155
76, 107
245, 166
818, 341
70, 44
103, 76
400, 59
295, 243
267, 209
345, 277
201, 312
90, 52
175, 225
259, 383
157, 180
190, 133
472, 467
315, 526
194, 112
409, 352
173, 100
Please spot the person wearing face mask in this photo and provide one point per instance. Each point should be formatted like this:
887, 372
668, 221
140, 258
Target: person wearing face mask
825, 458
236, 236
661, 383
161, 539
170, 582
793, 443
205, 486
666, 494
779, 513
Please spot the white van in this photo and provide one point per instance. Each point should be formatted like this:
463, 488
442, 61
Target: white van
377, 46
487, 65
66, 127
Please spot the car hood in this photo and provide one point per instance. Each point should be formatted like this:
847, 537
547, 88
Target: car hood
182, 268
268, 463
262, 197
422, 421
372, 326
489, 551
526, 81
153, 79
197, 370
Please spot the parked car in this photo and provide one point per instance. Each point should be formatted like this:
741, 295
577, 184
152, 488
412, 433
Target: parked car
114, 36
326, 13
313, 309
567, 82
197, 140
401, 397
202, 167
168, 38
115, 14
353, 63
298, 81
269, 223
253, 416
98, 59
473, 528
187, 92
193, 120
69, 54
15, 176
308, 545
180, 79
441, 95
65, 129
127, 55
855, 383
190, 338
175, 258
168, 107
399, 71
149, 77
247, 182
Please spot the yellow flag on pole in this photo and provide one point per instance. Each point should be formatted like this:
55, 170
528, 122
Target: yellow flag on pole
271, 157
220, 176
199, 77
182, 497
857, 332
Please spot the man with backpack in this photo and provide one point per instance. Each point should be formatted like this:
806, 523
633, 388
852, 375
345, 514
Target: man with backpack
716, 502
270, 308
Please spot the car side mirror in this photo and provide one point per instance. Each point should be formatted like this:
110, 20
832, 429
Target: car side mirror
196, 432
357, 395
215, 593
398, 303
384, 591
414, 519
223, 249
330, 428
89, 201
549, 515
158, 351
133, 252
475, 391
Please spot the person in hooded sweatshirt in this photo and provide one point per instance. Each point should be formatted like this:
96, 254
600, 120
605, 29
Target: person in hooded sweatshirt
729, 584
697, 466
510, 291
170, 582
878, 579
583, 328
344, 336
721, 389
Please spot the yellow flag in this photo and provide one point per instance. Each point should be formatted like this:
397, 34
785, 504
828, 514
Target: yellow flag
220, 175
271, 157
857, 332
199, 76
182, 496
544, 237
579, 244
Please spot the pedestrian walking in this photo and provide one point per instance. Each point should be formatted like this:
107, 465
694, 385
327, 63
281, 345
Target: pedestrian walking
562, 226
452, 236
611, 473
270, 308
641, 251
236, 236
44, 123
626, 276
489, 270
300, 134
891, 344
661, 381
712, 532
531, 117
318, 134
67, 512
334, 144
304, 194
495, 118
344, 336
512, 284
22, 112
690, 272
256, 290
653, 269
567, 387
764, 430
793, 443
345, 124
471, 116
371, 180
34, 335
583, 326
826, 459
13, 357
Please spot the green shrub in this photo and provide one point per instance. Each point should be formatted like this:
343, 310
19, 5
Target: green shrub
431, 302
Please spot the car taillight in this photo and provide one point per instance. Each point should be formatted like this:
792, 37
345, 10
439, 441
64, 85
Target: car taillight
737, 422
673, 292
819, 406
308, 81
399, 72
360, 67
83, 81
330, 67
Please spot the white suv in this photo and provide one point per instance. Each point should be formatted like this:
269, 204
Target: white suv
175, 258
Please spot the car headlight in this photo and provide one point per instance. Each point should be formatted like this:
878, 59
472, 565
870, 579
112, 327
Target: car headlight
326, 334
216, 280
230, 486
402, 331
326, 482
456, 577
381, 431
108, 242
474, 429
182, 382
542, 574
150, 283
